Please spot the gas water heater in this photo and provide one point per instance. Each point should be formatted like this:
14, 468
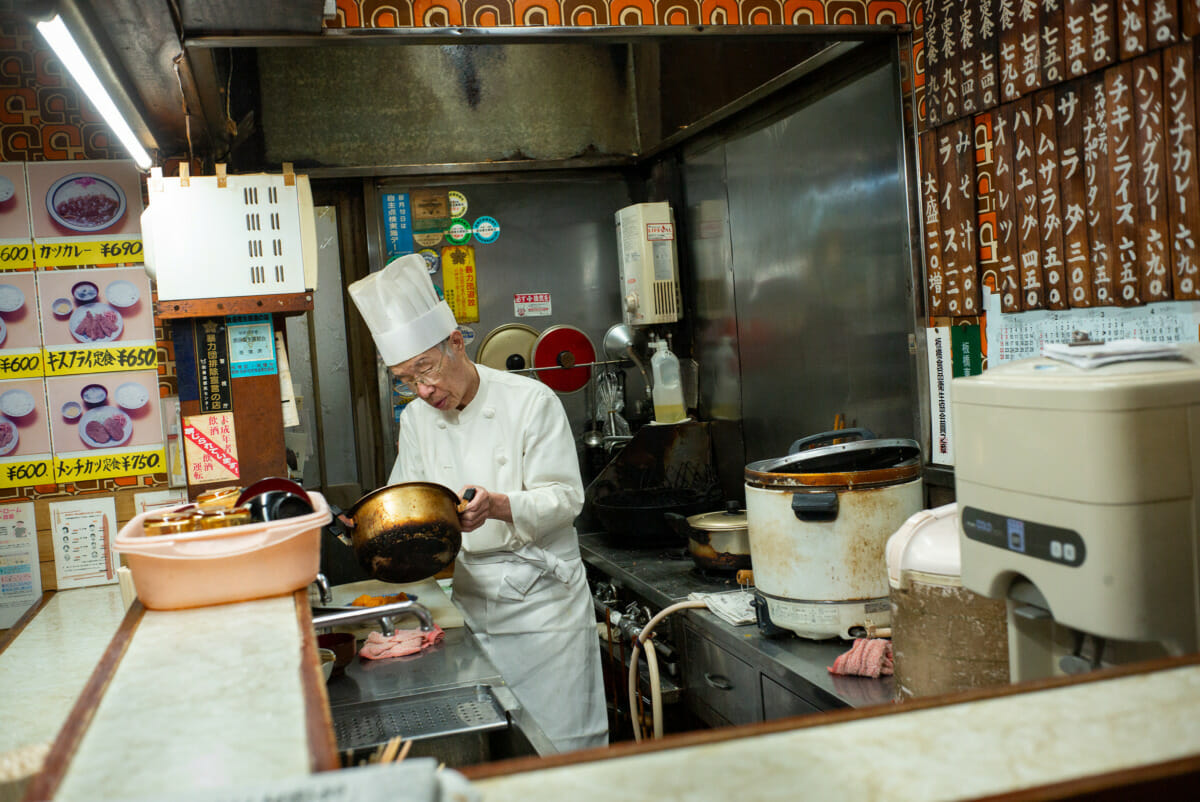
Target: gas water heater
649, 264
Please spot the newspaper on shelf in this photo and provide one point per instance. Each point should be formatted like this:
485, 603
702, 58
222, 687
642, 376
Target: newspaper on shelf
732, 607
1097, 355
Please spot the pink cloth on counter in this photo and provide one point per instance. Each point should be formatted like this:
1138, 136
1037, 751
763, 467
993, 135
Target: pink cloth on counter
868, 657
400, 643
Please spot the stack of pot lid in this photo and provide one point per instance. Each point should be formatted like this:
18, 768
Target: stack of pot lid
866, 461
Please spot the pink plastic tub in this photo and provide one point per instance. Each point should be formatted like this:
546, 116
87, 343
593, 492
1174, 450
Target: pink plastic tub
217, 566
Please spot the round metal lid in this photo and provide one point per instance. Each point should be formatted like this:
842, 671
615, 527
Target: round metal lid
862, 455
560, 347
506, 346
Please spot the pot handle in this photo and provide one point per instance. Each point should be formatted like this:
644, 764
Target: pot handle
467, 495
825, 438
815, 506
336, 527
681, 527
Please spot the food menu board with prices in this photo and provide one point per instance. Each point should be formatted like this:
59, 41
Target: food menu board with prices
78, 355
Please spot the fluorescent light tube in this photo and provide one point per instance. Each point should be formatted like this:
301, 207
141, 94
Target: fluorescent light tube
56, 33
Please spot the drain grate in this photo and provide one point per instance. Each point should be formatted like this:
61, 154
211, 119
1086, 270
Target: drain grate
416, 717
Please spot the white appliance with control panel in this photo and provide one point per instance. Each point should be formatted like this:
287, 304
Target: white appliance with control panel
1078, 491
649, 264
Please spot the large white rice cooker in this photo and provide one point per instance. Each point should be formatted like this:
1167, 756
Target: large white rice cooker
819, 520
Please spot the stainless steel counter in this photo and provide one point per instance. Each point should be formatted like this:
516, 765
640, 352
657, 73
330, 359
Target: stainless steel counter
665, 576
450, 699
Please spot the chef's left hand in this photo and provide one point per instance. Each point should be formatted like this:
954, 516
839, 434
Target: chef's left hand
483, 506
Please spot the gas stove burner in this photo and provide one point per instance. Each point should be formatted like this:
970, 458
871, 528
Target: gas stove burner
715, 576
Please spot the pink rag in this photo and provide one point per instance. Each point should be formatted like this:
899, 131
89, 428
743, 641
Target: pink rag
400, 643
868, 657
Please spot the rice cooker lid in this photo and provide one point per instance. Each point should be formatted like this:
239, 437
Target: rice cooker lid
862, 455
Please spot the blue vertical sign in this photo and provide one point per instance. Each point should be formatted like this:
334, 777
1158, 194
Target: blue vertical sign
397, 224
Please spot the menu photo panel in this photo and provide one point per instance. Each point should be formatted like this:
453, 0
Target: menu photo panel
96, 321
105, 425
85, 212
20, 327
16, 237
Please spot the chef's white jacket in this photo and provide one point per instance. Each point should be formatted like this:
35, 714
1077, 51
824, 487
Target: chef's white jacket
521, 585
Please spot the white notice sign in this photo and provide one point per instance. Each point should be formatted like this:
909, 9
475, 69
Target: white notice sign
20, 574
531, 304
81, 534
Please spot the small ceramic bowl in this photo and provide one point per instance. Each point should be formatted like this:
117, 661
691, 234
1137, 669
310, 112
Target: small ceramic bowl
94, 395
72, 410
62, 307
327, 658
344, 646
85, 292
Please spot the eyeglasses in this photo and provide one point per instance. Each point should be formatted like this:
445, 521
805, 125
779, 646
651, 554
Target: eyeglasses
427, 377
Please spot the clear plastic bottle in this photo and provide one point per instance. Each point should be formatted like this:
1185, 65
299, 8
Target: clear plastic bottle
668, 386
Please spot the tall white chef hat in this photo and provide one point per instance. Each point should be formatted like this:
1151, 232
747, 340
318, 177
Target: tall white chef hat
402, 309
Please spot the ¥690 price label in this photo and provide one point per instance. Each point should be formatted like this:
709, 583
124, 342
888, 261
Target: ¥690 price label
68, 254
16, 257
27, 474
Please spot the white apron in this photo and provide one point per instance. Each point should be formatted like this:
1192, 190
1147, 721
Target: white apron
521, 586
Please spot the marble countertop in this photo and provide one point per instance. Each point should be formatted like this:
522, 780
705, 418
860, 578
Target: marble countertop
46, 666
957, 751
203, 698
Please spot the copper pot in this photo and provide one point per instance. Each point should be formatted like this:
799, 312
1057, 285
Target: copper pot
409, 531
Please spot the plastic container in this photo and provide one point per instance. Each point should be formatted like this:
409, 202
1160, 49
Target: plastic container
668, 385
218, 566
945, 638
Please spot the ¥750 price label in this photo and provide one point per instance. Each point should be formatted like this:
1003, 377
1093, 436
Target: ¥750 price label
99, 252
27, 474
16, 257
108, 466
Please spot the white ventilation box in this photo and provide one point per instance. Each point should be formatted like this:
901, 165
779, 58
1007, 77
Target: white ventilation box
229, 236
649, 264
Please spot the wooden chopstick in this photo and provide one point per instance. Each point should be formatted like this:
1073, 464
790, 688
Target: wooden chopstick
389, 751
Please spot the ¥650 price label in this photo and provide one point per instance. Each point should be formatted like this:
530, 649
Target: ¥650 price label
16, 257
68, 362
64, 254
27, 474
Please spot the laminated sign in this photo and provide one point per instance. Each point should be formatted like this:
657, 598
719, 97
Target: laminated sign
210, 447
458, 281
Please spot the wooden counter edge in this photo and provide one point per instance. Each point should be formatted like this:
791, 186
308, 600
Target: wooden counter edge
318, 721
45, 783
1180, 774
12, 632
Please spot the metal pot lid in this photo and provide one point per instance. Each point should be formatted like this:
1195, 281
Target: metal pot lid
720, 521
862, 455
506, 345
560, 348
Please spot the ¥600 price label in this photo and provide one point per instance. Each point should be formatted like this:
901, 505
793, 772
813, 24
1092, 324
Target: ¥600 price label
27, 474
16, 257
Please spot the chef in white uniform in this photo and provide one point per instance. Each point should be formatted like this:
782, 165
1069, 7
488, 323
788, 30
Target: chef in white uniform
519, 578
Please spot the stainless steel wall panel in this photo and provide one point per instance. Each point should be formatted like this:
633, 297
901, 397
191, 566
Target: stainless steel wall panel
557, 236
819, 228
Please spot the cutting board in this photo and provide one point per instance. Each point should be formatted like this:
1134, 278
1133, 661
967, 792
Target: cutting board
428, 592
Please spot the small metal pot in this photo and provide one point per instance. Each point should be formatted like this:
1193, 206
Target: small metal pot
717, 541
407, 532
